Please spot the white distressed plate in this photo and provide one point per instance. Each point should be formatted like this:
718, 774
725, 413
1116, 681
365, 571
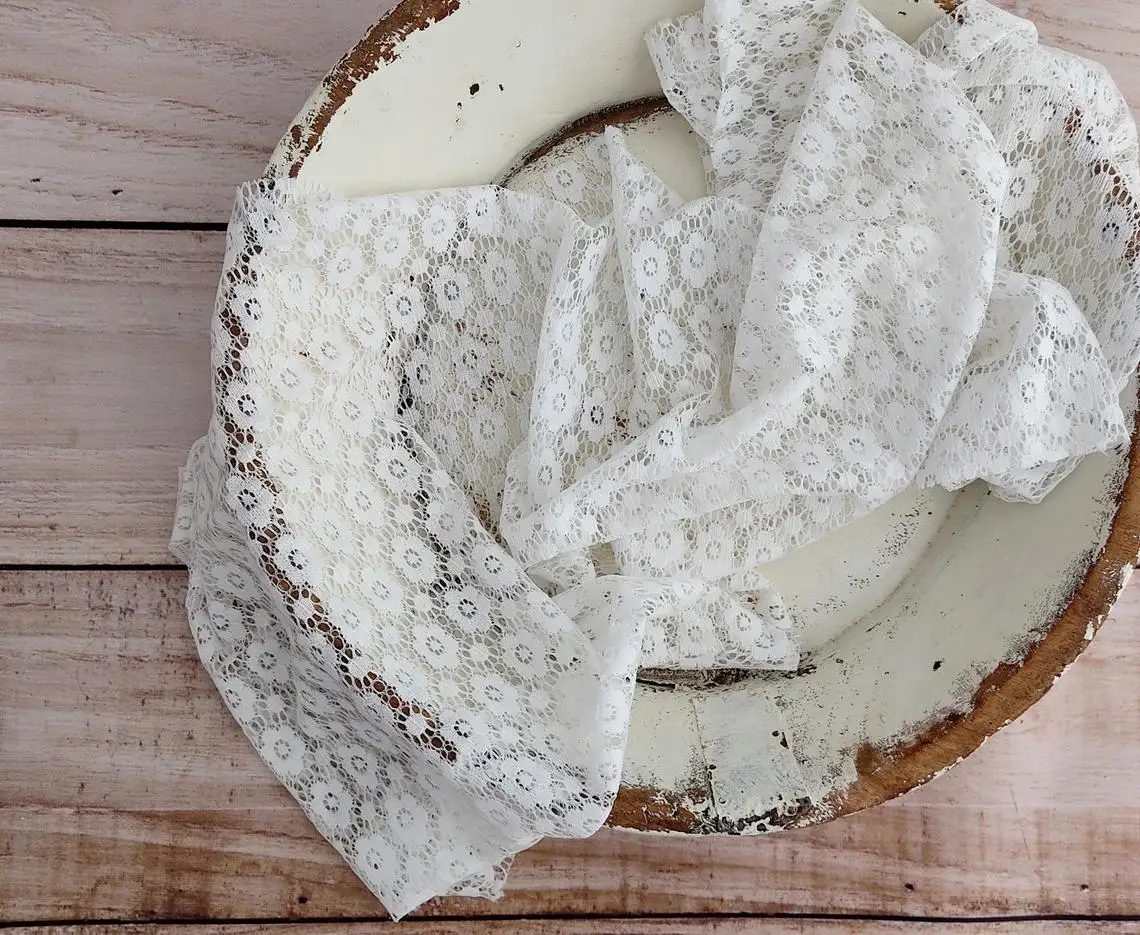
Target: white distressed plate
929, 625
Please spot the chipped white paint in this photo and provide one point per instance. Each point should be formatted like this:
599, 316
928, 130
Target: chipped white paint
415, 124
905, 612
754, 775
659, 713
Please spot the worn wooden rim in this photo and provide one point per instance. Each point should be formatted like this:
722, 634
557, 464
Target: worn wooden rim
1004, 695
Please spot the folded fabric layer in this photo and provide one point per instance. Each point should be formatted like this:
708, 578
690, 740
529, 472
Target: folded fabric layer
478, 454
1069, 216
1058, 121
1037, 392
857, 302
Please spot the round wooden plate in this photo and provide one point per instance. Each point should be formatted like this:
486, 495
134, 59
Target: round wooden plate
929, 625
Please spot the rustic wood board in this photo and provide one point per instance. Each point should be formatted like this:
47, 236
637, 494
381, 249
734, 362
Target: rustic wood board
127, 793
155, 111
104, 374
132, 111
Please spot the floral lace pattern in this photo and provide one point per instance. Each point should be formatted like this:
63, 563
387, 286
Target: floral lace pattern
478, 454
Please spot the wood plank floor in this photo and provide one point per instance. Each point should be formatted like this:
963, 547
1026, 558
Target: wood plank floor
130, 802
129, 793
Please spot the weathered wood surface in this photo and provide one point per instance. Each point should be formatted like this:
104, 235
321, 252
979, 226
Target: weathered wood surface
105, 382
126, 792
155, 111
683, 925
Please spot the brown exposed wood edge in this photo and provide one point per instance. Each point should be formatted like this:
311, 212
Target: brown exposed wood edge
642, 809
1012, 688
595, 122
379, 45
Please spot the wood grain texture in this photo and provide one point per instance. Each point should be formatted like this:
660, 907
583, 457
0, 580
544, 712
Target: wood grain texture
155, 111
114, 109
126, 792
684, 925
104, 374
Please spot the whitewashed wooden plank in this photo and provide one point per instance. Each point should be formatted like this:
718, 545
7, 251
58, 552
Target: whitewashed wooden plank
684, 925
122, 110
104, 374
114, 109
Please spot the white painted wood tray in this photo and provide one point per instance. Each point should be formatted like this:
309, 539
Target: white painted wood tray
928, 625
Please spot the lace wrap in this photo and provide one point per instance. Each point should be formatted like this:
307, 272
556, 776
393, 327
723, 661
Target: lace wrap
478, 454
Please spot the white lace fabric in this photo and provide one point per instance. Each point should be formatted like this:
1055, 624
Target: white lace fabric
478, 454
